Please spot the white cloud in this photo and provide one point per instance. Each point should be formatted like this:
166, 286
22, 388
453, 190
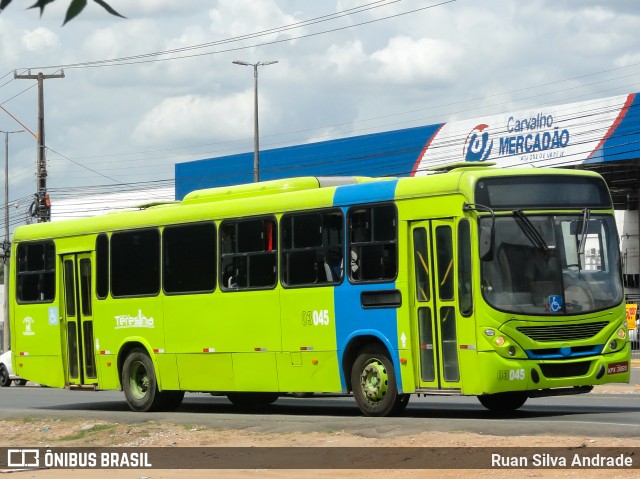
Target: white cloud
406, 60
126, 38
242, 17
197, 118
40, 40
9, 52
347, 57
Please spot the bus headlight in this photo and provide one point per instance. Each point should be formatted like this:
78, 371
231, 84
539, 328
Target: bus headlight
613, 345
622, 333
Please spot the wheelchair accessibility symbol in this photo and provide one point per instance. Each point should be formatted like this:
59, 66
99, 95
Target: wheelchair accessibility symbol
555, 303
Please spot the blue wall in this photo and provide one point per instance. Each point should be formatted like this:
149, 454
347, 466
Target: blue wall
391, 153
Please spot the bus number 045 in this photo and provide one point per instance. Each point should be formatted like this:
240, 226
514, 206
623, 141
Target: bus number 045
511, 375
315, 317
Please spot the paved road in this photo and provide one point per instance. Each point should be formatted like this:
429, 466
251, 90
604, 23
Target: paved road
611, 411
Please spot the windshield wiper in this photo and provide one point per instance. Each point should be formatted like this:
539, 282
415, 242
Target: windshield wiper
530, 231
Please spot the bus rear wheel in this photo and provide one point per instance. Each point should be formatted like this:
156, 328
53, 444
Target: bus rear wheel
503, 402
140, 385
374, 385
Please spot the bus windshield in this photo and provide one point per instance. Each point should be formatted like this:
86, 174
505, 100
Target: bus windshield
552, 264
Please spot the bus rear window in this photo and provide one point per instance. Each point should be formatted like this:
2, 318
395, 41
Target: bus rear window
36, 272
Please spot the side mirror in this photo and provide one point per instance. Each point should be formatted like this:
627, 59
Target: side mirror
487, 233
487, 239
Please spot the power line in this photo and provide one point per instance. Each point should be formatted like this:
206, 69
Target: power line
125, 60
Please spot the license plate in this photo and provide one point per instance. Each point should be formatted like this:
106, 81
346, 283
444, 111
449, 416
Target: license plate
617, 368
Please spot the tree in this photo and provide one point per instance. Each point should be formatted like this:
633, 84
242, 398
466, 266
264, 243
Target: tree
75, 7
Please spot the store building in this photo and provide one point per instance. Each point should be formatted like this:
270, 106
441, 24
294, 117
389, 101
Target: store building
602, 135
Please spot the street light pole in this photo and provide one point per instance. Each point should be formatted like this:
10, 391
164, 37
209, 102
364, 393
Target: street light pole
256, 135
6, 244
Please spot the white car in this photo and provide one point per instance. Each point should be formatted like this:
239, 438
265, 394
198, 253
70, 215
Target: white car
6, 371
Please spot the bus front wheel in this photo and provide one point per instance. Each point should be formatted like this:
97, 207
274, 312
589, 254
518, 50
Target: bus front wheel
140, 385
503, 402
373, 381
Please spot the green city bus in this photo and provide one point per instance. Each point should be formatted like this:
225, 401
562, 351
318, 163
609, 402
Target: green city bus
503, 284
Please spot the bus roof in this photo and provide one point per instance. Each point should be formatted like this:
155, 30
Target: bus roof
275, 196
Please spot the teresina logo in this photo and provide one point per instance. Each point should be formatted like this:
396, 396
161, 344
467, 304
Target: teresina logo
477, 146
526, 137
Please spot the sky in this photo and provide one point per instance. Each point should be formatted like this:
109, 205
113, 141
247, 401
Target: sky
157, 88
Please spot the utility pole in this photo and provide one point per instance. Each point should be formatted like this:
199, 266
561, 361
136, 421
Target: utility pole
42, 210
256, 141
6, 245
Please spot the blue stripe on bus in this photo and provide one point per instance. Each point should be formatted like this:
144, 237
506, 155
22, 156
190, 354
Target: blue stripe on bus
353, 321
563, 353
365, 193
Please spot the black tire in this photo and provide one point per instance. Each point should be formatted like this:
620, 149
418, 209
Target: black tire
252, 400
401, 404
373, 381
139, 382
20, 382
5, 381
171, 400
503, 402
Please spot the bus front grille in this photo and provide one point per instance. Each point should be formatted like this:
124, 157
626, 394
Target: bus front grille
562, 332
565, 370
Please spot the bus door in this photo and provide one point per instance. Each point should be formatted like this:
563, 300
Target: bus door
78, 319
434, 307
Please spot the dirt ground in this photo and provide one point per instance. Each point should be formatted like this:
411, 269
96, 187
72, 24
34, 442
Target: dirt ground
57, 433
76, 432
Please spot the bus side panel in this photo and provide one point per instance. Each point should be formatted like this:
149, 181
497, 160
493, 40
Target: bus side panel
309, 361
194, 331
404, 338
218, 337
309, 371
205, 372
255, 371
37, 343
352, 320
121, 321
108, 377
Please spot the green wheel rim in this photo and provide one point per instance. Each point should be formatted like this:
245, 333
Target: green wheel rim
139, 380
374, 381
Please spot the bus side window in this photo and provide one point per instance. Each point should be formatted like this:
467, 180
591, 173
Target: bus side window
102, 266
135, 263
189, 253
312, 248
465, 300
373, 237
248, 252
